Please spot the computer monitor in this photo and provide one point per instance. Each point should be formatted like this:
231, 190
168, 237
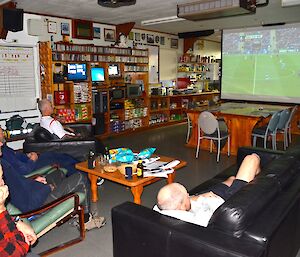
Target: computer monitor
114, 71
97, 74
77, 71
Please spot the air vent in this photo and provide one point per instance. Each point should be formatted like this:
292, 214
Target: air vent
213, 9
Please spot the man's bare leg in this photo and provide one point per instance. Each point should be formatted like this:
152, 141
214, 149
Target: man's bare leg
249, 168
229, 181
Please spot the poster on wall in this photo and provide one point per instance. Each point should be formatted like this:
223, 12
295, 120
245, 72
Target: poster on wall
109, 35
65, 29
174, 43
96, 32
150, 39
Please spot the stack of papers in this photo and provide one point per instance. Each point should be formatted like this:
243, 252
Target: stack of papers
159, 168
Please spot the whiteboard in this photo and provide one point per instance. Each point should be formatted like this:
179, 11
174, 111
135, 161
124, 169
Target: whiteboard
17, 78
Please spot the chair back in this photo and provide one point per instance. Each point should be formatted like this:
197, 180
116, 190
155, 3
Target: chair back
207, 122
273, 123
292, 114
284, 117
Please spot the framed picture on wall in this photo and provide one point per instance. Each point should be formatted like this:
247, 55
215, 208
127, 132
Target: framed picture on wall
109, 35
65, 28
162, 40
150, 39
96, 32
137, 36
82, 29
130, 36
174, 43
157, 39
143, 36
52, 27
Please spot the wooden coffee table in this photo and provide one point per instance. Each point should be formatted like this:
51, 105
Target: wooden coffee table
136, 184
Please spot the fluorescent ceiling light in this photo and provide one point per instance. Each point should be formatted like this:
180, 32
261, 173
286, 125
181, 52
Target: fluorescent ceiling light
285, 3
161, 20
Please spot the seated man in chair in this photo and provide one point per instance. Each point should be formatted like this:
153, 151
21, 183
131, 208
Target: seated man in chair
173, 199
15, 235
57, 129
28, 194
26, 163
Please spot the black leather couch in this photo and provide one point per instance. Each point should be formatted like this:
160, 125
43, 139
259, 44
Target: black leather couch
263, 219
41, 140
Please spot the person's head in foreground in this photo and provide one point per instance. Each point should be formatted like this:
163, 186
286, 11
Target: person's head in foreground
173, 197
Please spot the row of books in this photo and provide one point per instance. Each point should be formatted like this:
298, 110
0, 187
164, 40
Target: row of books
98, 58
135, 68
98, 49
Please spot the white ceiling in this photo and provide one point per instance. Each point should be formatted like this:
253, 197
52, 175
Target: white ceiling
153, 9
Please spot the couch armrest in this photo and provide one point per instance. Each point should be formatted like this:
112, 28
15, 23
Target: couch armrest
78, 149
139, 231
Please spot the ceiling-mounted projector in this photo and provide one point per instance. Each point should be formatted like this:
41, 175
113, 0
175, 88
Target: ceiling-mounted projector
213, 9
116, 3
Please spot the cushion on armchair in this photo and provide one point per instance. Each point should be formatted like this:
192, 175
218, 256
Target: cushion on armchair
43, 135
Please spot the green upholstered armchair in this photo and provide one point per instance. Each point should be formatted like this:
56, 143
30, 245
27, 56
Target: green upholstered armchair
45, 171
53, 214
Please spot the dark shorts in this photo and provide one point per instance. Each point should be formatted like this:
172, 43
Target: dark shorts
225, 191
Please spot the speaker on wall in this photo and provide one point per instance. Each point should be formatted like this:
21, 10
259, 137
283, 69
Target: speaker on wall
13, 19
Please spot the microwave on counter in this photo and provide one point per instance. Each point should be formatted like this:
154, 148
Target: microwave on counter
134, 90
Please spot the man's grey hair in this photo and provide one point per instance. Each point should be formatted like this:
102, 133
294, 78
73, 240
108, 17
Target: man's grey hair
42, 105
170, 197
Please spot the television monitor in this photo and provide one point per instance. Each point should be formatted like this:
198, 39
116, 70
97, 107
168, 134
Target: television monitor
134, 90
97, 74
261, 64
114, 71
77, 71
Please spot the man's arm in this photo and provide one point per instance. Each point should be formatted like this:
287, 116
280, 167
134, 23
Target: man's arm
30, 236
12, 242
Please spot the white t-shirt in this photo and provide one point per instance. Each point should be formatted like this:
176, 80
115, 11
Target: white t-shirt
54, 126
200, 213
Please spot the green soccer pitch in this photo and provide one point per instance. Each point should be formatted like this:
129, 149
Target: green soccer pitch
261, 74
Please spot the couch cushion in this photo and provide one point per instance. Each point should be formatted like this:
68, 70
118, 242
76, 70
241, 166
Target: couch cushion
42, 135
283, 169
240, 210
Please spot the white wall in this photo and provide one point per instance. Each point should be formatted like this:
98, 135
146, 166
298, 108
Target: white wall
168, 64
207, 48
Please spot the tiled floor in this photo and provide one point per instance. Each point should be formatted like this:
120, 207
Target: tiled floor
168, 141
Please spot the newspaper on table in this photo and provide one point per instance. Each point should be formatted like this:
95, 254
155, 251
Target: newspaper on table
159, 168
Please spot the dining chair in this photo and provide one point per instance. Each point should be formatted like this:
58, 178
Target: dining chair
289, 124
189, 128
265, 131
209, 127
282, 126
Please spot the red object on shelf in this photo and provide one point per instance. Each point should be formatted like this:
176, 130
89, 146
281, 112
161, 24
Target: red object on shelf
61, 97
183, 83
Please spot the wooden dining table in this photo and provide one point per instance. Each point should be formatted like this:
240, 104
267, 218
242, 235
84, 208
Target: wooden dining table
240, 118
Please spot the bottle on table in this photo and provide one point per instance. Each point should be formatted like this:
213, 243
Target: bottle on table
106, 154
91, 160
140, 169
